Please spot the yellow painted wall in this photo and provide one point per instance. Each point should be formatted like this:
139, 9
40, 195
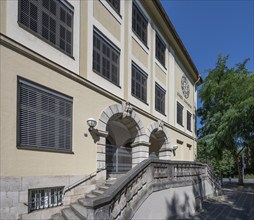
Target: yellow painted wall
178, 90
160, 74
106, 19
139, 53
18, 162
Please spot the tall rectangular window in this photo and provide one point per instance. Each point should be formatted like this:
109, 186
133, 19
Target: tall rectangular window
115, 4
51, 21
106, 57
44, 118
179, 118
138, 83
160, 50
139, 23
189, 120
159, 99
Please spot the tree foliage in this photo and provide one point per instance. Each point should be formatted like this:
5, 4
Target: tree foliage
227, 112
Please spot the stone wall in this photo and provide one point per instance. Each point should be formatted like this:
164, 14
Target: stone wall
14, 194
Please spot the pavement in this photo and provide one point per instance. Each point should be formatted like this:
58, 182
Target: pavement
236, 202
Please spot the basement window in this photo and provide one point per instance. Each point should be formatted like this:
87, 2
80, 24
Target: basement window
45, 198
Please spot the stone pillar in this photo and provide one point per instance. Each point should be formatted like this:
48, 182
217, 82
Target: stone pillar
165, 153
140, 152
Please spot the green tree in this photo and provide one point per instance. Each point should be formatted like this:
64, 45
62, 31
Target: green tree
227, 112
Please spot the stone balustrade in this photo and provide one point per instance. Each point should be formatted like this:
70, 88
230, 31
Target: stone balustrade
123, 199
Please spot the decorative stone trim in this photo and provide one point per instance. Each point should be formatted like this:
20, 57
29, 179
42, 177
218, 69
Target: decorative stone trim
134, 124
159, 127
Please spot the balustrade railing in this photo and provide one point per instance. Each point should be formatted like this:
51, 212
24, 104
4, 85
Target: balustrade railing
122, 199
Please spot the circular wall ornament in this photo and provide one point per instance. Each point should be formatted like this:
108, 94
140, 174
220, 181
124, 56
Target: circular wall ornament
185, 87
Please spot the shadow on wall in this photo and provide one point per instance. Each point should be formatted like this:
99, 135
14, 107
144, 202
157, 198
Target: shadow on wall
186, 205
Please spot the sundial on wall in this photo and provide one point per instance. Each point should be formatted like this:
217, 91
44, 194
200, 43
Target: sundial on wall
185, 87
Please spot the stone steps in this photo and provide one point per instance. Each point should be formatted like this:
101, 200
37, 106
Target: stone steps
78, 210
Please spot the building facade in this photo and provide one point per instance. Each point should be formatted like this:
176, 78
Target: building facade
63, 62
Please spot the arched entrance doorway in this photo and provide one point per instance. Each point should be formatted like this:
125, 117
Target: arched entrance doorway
124, 146
118, 148
159, 141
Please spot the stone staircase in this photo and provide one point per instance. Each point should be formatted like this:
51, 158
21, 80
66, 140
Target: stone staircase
78, 210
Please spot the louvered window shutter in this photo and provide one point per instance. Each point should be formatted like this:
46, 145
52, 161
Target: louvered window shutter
44, 118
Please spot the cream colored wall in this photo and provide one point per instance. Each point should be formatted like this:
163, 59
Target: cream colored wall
84, 36
24, 37
102, 15
139, 53
2, 16
18, 162
188, 104
160, 74
182, 152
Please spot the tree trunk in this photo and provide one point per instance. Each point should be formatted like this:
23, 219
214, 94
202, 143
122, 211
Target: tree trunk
239, 168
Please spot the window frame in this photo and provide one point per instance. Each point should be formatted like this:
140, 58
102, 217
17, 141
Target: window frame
188, 118
142, 88
179, 114
41, 10
160, 50
161, 98
142, 21
59, 195
104, 41
118, 9
55, 94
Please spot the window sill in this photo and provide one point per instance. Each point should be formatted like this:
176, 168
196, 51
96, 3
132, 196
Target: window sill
45, 41
140, 99
140, 42
163, 67
44, 150
112, 11
99, 74
161, 112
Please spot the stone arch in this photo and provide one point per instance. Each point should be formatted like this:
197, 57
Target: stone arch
158, 129
127, 116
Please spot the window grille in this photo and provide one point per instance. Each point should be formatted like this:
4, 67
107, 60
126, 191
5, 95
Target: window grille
115, 4
160, 50
44, 198
139, 24
160, 99
44, 118
106, 57
189, 120
139, 83
179, 114
50, 20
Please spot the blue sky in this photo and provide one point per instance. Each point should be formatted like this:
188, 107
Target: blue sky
208, 28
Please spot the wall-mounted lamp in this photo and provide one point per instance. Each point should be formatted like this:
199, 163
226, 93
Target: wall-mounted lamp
175, 147
95, 133
91, 122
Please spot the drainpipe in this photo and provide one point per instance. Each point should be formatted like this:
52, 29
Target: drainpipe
199, 77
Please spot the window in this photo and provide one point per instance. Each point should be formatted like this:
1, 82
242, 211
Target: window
189, 121
105, 58
115, 4
51, 21
139, 24
160, 50
159, 99
179, 114
44, 118
44, 198
138, 83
